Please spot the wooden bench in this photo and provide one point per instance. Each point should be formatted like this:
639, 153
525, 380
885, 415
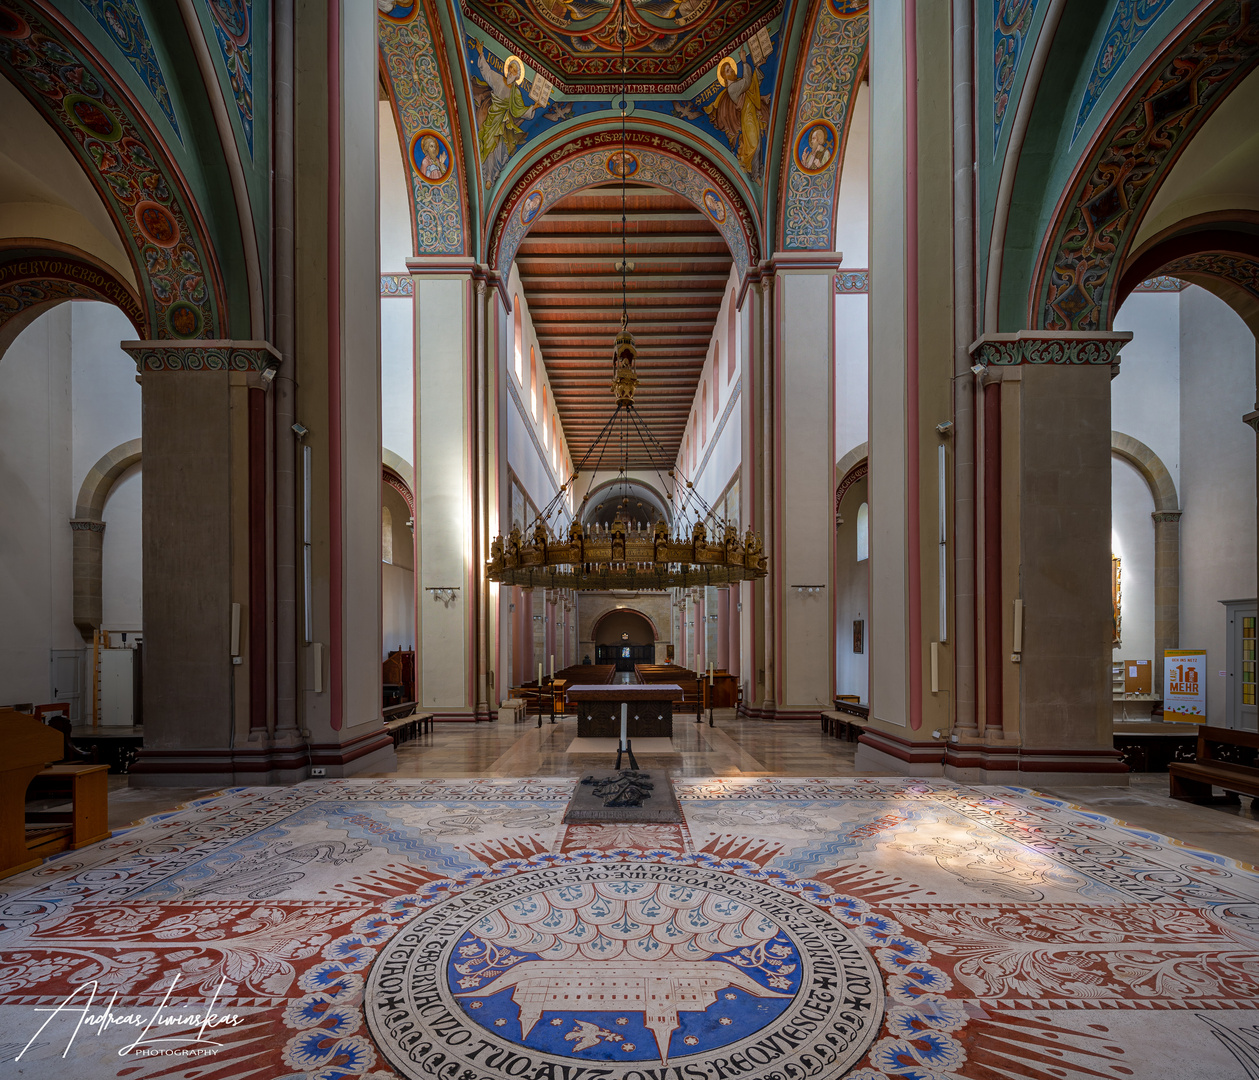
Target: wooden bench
86, 788
1226, 759
844, 724
405, 728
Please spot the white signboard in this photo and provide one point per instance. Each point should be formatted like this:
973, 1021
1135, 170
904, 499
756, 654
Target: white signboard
1185, 685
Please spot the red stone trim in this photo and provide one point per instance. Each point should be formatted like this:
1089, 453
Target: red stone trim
913, 753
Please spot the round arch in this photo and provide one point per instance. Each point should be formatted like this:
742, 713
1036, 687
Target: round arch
594, 630
89, 534
181, 287
657, 156
36, 276
1075, 283
1220, 255
853, 466
661, 503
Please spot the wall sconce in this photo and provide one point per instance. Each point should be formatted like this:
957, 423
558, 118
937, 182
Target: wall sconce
809, 590
447, 594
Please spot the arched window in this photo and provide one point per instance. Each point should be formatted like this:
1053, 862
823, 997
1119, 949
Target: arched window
546, 435
731, 350
533, 382
703, 413
520, 362
716, 376
386, 534
863, 532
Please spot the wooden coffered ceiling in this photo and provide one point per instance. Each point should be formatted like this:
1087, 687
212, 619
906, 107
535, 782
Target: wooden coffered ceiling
568, 268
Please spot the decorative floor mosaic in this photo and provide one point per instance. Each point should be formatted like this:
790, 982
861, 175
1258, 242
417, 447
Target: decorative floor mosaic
789, 929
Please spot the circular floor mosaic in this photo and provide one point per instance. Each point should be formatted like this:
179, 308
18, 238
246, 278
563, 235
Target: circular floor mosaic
643, 971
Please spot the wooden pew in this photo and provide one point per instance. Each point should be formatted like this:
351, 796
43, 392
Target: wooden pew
1194, 779
32, 751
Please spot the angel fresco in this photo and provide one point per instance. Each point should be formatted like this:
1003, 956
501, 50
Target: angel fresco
741, 113
500, 108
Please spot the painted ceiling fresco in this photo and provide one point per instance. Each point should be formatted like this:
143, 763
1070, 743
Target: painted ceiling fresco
574, 42
514, 104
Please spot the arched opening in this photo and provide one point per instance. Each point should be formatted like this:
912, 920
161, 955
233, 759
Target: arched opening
852, 578
625, 637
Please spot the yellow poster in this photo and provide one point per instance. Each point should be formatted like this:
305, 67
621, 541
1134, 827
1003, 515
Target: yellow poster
1185, 685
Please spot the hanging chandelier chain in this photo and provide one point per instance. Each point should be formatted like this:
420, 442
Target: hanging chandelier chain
624, 35
617, 552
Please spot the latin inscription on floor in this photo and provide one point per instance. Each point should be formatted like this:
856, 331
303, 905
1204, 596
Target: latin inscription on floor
626, 971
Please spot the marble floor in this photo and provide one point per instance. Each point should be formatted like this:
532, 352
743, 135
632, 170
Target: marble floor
735, 748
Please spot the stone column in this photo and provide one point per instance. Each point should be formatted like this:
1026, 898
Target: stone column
89, 549
1166, 588
1054, 514
723, 629
206, 564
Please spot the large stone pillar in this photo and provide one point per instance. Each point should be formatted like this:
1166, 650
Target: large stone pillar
207, 704
802, 433
458, 497
1047, 633
786, 484
911, 355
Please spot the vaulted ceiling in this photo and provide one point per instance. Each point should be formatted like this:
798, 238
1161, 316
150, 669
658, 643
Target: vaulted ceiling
575, 41
568, 268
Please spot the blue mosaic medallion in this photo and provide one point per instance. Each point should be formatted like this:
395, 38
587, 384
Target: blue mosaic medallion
625, 966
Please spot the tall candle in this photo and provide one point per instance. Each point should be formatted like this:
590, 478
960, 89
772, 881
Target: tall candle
539, 672
710, 674
698, 669
552, 667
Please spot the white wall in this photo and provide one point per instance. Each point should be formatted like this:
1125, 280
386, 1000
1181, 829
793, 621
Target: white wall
1132, 539
1217, 381
397, 316
1145, 398
398, 607
395, 198
122, 558
68, 395
718, 446
529, 453
35, 482
105, 396
852, 222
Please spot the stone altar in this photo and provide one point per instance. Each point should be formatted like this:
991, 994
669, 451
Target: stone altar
650, 710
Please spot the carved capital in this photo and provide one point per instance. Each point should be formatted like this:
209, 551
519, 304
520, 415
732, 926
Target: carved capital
248, 357
1161, 516
1052, 348
1252, 419
87, 525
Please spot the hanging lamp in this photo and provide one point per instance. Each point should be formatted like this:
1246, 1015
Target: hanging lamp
617, 554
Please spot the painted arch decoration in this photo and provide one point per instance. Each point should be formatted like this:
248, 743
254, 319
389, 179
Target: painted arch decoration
420, 90
1076, 283
1012, 25
826, 87
122, 21
34, 278
651, 158
128, 165
234, 32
